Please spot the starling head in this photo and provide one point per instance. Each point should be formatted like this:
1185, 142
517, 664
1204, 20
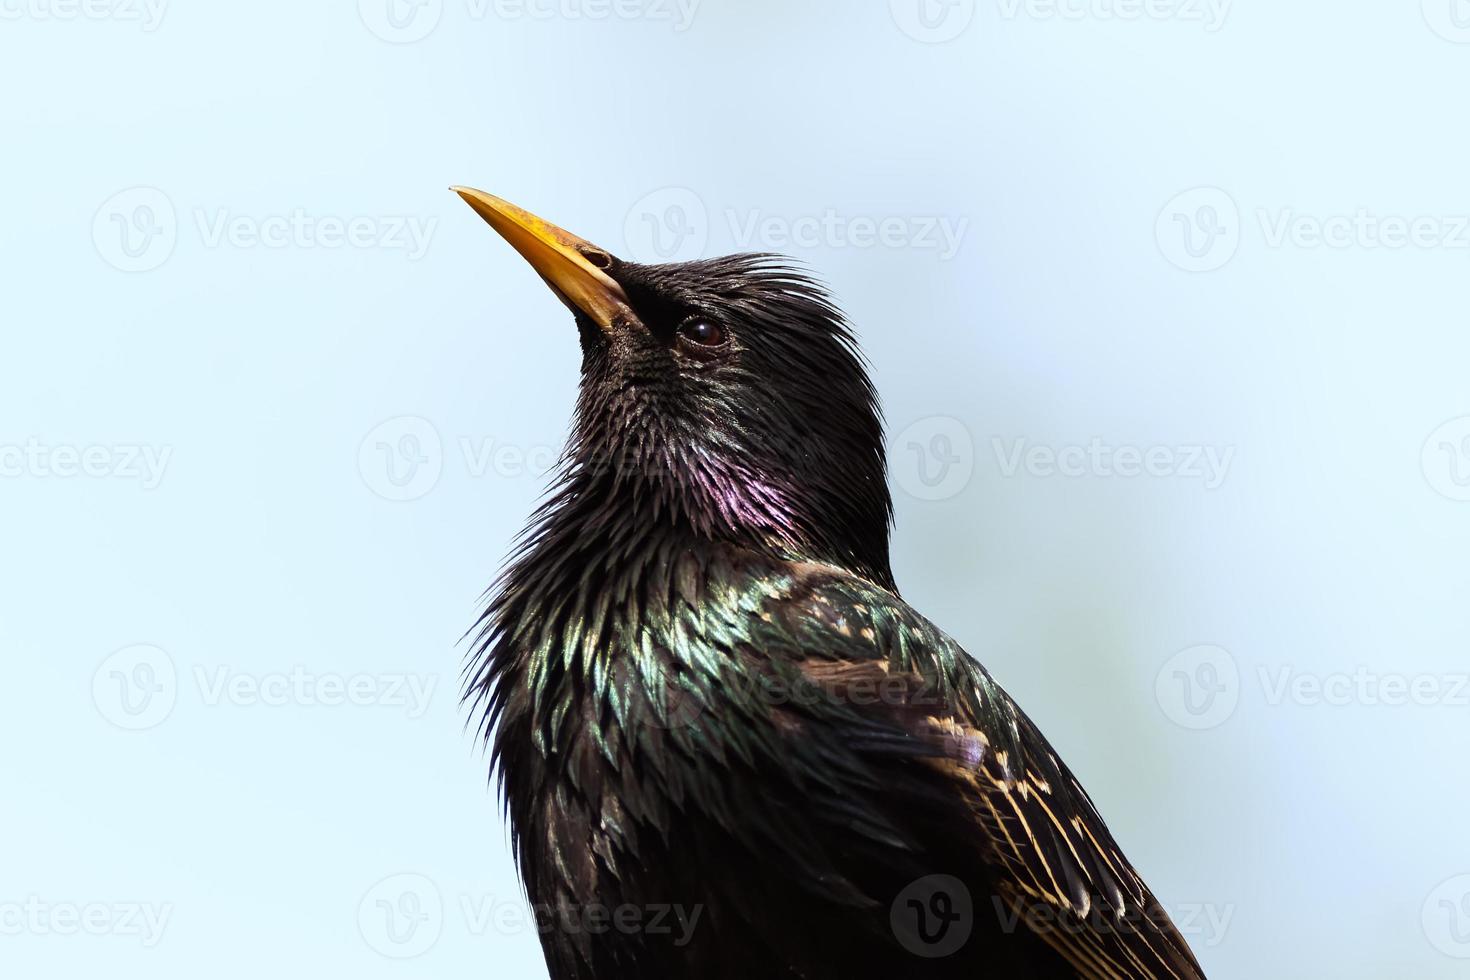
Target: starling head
724, 396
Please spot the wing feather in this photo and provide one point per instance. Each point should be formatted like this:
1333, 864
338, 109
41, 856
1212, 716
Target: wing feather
1054, 864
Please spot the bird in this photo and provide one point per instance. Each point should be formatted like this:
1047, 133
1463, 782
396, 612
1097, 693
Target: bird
725, 746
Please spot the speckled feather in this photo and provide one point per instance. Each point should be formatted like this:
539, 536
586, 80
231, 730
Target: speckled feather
703, 690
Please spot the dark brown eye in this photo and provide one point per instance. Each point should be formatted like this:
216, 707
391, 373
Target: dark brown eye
704, 333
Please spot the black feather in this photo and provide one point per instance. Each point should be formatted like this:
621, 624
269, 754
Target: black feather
704, 693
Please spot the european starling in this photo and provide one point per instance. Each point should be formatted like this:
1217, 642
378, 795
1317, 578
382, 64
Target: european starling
727, 748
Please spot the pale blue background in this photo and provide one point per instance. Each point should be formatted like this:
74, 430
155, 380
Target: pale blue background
1331, 835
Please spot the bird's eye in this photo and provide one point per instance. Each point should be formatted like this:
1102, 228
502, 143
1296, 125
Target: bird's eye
702, 332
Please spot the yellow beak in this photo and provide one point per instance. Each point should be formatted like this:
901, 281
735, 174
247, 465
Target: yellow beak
572, 267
